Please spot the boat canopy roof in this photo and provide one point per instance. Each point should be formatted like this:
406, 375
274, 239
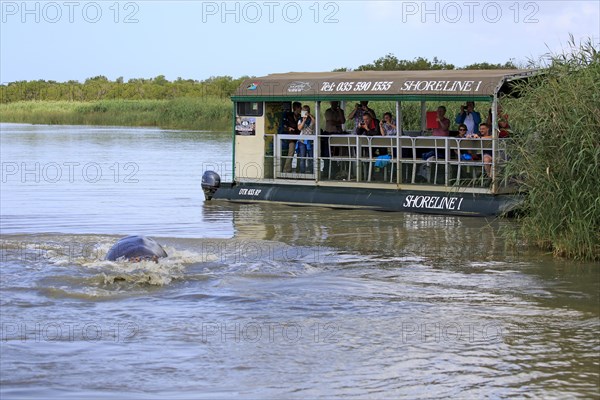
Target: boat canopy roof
381, 85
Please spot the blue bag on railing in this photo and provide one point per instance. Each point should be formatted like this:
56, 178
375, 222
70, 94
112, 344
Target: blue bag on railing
382, 161
427, 155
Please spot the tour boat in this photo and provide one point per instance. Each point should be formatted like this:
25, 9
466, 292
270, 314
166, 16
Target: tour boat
411, 171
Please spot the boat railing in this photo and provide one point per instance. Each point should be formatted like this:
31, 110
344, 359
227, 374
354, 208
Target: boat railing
287, 162
421, 160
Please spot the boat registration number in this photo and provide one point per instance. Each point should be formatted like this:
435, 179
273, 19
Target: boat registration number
249, 192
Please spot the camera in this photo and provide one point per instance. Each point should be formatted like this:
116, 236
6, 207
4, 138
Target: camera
303, 113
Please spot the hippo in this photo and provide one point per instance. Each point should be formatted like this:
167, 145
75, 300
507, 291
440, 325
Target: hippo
136, 248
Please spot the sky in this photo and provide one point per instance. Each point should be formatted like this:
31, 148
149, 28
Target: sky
73, 40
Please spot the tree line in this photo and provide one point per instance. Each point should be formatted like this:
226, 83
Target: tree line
159, 88
390, 62
101, 88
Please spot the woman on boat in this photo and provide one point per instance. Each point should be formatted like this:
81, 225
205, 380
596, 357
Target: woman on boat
387, 126
306, 126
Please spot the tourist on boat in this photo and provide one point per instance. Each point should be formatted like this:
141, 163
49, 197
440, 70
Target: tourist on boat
442, 129
368, 126
485, 133
360, 109
306, 125
443, 123
334, 119
462, 133
503, 125
290, 127
387, 127
469, 117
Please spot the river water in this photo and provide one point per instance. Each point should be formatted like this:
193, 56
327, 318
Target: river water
264, 301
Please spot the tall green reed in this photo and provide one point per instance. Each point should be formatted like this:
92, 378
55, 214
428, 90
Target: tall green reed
556, 156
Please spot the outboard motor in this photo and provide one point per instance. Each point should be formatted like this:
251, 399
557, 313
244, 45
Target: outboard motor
211, 181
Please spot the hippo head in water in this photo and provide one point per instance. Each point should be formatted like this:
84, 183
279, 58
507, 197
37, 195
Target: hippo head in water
136, 248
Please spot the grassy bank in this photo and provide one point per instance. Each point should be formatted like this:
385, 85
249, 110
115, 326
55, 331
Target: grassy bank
208, 113
557, 154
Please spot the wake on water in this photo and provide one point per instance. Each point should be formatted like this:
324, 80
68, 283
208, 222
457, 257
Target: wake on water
74, 266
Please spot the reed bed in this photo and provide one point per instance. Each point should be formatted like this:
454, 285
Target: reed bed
207, 113
556, 156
